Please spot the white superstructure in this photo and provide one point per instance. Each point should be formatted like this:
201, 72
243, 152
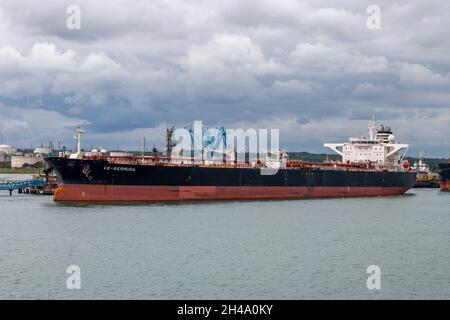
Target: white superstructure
379, 148
420, 166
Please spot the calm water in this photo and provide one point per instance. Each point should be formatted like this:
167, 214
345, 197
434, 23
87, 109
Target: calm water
300, 249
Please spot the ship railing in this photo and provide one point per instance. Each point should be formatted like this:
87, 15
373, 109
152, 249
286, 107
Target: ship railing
176, 161
219, 163
336, 165
330, 164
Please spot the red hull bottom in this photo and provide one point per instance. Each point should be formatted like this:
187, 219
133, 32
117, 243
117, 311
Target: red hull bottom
116, 193
445, 185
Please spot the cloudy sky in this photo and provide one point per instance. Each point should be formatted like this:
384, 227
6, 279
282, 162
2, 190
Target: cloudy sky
311, 68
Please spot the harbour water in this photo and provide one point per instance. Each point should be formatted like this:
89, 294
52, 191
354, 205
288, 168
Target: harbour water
292, 249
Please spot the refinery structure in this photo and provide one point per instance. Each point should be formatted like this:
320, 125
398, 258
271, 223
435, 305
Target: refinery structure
18, 159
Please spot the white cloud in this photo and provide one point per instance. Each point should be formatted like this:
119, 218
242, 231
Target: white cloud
133, 66
292, 88
36, 126
418, 76
226, 68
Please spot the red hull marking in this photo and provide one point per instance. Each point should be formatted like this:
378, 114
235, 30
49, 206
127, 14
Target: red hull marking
445, 185
116, 193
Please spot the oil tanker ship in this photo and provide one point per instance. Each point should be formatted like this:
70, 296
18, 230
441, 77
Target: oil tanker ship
371, 166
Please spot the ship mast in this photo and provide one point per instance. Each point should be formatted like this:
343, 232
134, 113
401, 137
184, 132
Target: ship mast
143, 147
372, 128
78, 132
78, 154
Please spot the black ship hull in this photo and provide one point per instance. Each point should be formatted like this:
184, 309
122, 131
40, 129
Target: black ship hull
101, 181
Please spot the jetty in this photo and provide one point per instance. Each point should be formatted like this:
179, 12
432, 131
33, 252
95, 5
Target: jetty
36, 186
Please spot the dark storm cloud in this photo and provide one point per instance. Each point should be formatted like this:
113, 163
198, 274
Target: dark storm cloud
311, 68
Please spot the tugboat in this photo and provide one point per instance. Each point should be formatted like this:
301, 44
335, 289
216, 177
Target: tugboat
425, 177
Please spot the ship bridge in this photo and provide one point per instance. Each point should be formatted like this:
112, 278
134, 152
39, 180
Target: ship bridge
379, 148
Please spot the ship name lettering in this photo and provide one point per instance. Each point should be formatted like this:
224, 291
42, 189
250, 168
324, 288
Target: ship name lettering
129, 169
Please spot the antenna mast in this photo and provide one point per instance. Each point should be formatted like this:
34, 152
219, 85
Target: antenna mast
372, 128
143, 146
79, 131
